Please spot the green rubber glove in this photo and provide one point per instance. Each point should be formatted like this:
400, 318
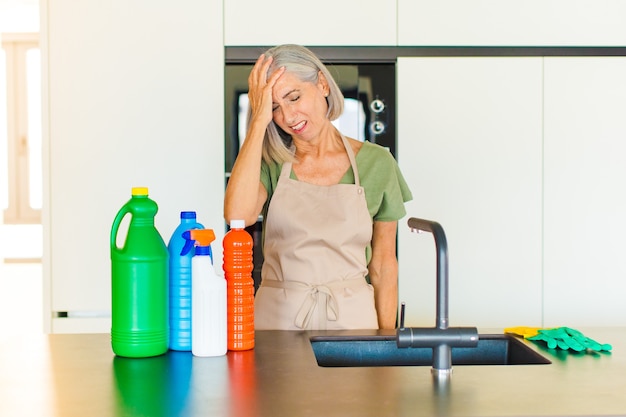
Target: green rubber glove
567, 338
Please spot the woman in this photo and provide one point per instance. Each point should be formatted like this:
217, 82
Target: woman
330, 204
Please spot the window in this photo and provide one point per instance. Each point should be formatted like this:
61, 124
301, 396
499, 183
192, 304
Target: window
20, 129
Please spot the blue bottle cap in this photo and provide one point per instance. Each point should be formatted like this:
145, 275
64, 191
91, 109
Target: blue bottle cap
187, 214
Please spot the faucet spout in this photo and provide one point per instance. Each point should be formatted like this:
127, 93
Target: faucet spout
441, 338
441, 247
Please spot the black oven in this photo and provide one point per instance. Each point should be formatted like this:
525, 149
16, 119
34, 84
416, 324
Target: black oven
367, 78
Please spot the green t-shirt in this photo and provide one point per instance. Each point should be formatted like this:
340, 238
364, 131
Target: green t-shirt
386, 191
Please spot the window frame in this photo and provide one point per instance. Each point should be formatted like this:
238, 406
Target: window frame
19, 210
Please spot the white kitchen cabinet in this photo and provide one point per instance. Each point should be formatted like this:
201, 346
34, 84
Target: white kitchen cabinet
133, 97
521, 161
469, 145
323, 23
511, 23
585, 197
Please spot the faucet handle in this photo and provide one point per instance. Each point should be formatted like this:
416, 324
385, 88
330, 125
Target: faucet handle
402, 308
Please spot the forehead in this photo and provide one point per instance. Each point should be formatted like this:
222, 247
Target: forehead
287, 83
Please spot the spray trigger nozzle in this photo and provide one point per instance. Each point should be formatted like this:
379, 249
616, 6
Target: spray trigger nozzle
201, 238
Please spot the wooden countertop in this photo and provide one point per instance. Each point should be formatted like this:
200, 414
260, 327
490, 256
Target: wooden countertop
78, 375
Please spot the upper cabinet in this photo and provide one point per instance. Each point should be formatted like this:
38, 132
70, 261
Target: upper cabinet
323, 23
426, 23
511, 23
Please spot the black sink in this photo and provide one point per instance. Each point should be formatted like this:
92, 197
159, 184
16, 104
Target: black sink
349, 351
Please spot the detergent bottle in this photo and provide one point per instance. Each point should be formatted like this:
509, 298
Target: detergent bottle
238, 265
208, 300
180, 284
139, 324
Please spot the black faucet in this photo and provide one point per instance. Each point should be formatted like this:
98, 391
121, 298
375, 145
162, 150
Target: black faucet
440, 338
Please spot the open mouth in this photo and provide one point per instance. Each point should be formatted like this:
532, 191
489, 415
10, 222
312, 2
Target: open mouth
297, 128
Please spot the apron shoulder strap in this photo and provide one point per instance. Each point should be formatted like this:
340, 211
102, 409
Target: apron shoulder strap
352, 159
285, 171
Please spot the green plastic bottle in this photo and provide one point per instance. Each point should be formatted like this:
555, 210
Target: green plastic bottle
139, 272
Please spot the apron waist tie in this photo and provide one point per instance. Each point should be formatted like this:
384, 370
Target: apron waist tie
317, 294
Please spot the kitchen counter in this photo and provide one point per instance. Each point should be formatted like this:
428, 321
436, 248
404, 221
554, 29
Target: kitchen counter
78, 375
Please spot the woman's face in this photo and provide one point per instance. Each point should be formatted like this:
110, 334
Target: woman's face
298, 107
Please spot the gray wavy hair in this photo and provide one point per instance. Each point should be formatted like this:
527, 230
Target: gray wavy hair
306, 66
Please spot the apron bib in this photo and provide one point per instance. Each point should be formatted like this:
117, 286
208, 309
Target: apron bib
313, 276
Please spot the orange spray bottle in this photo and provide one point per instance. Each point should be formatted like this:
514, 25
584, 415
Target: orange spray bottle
238, 265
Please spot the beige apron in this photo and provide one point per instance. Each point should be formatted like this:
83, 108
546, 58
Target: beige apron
314, 272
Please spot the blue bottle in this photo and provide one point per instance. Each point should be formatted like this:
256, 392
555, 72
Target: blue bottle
180, 284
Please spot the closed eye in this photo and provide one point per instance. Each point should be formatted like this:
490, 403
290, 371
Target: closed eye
292, 95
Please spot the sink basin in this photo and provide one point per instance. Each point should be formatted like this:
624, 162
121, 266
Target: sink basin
350, 351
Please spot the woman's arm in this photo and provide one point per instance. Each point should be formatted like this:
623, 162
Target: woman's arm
245, 194
383, 272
